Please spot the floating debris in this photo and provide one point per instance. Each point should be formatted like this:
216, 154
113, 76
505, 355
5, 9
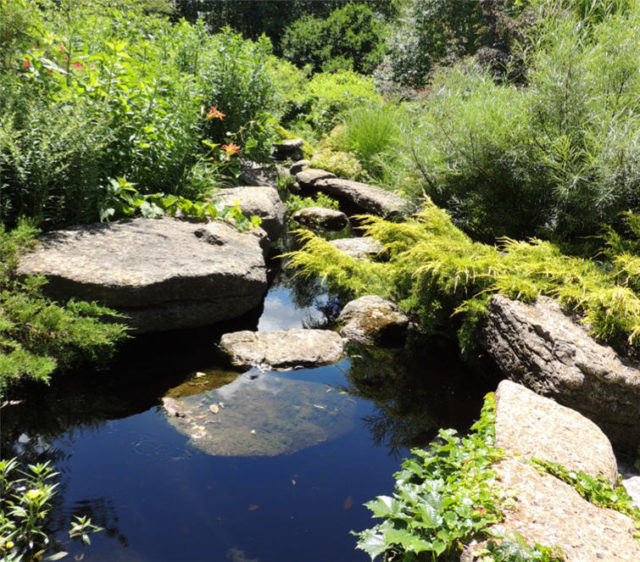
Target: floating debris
214, 408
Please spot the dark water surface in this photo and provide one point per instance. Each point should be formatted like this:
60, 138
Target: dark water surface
161, 497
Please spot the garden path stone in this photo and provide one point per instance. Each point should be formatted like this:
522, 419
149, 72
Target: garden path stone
322, 218
356, 197
538, 427
283, 349
161, 273
259, 201
372, 320
298, 166
537, 345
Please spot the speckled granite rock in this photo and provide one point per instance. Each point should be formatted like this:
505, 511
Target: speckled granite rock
309, 176
546, 351
372, 320
358, 248
321, 217
260, 201
162, 273
283, 349
538, 427
552, 513
632, 485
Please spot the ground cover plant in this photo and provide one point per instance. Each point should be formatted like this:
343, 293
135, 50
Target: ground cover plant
444, 497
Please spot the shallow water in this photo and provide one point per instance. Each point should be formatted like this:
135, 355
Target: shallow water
162, 494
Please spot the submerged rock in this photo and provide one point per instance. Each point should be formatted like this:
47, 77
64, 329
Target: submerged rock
283, 349
321, 217
259, 201
162, 274
373, 320
358, 248
545, 350
262, 415
539, 428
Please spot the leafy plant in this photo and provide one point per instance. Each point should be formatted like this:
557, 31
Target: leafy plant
125, 201
596, 490
25, 502
350, 38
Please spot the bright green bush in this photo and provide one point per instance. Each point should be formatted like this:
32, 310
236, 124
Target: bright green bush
328, 97
37, 335
350, 38
435, 271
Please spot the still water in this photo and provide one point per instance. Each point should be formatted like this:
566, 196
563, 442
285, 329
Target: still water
278, 473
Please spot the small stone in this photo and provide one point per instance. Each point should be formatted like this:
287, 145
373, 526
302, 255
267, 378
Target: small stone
372, 320
358, 248
309, 176
322, 218
283, 349
299, 166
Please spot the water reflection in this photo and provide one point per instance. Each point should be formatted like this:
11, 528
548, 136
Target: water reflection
417, 390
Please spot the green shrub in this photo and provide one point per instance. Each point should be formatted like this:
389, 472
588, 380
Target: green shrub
435, 32
437, 272
556, 159
97, 92
350, 38
342, 164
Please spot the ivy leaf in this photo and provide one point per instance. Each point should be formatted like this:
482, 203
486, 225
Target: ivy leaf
408, 540
372, 543
383, 506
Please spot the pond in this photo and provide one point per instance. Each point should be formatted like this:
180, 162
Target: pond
264, 466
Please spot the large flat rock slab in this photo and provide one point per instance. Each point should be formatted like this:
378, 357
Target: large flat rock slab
356, 197
550, 512
539, 428
162, 273
545, 350
283, 349
257, 200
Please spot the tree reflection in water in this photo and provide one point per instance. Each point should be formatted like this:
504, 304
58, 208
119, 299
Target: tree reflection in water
417, 390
